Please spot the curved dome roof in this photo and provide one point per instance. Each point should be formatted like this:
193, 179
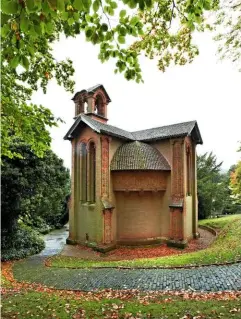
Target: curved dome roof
138, 156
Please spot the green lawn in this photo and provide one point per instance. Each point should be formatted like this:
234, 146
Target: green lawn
226, 248
219, 223
43, 305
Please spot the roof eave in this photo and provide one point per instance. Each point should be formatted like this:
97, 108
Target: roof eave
69, 134
140, 169
199, 139
162, 138
116, 135
103, 88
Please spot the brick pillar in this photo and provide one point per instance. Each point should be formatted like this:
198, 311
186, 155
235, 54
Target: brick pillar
104, 167
177, 211
107, 213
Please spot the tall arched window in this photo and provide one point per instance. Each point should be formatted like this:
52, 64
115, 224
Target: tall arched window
188, 168
92, 172
83, 172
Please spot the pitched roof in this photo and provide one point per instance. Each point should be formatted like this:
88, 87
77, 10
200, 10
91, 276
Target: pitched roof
98, 127
164, 132
93, 89
138, 156
179, 129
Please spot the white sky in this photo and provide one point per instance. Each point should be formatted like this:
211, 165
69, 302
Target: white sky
207, 91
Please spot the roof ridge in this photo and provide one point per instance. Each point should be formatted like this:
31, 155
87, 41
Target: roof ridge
161, 132
164, 126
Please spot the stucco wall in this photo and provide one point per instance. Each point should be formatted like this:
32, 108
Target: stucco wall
164, 147
188, 218
115, 143
87, 216
191, 212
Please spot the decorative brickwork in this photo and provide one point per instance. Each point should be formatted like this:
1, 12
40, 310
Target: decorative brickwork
177, 191
176, 227
140, 180
107, 213
177, 169
99, 103
104, 166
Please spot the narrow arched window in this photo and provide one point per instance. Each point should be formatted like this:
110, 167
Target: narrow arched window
99, 106
92, 171
85, 107
83, 172
188, 171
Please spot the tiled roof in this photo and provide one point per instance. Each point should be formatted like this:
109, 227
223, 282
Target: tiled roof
138, 156
99, 128
180, 129
164, 132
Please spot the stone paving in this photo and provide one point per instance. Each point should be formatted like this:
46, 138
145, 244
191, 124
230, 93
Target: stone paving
211, 278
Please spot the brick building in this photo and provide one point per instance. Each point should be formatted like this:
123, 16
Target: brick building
130, 187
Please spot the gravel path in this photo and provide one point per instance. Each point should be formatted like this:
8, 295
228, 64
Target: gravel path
211, 278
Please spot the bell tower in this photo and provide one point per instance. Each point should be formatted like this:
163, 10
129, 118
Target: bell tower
93, 103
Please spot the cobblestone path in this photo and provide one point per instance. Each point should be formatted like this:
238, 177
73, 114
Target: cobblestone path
211, 278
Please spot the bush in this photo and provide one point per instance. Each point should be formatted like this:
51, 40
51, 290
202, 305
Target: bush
21, 243
38, 224
33, 187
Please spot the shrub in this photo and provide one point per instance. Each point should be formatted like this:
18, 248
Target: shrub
38, 224
33, 187
21, 243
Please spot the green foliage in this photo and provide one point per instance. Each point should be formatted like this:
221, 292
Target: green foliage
33, 188
29, 29
22, 120
20, 244
235, 182
228, 28
213, 192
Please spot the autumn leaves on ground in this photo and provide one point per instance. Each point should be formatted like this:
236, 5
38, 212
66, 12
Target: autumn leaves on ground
226, 248
23, 300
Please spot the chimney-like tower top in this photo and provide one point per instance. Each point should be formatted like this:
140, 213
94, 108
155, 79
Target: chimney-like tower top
92, 102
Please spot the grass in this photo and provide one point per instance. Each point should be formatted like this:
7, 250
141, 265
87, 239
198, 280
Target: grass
219, 223
226, 248
32, 304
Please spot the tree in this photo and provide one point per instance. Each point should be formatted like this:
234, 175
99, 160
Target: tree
228, 26
29, 28
212, 186
235, 182
33, 188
